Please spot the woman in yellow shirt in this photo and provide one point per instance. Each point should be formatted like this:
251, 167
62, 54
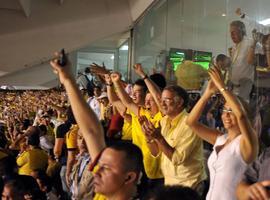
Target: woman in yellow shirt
34, 158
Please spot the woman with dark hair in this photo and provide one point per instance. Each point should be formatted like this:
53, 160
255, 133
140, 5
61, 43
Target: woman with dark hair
65, 147
232, 151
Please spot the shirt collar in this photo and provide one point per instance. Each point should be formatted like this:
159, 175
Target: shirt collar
177, 119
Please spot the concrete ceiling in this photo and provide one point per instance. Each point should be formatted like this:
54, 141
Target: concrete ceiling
31, 30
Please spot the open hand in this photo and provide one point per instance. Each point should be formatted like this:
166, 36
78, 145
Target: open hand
238, 12
149, 129
257, 191
211, 88
97, 69
216, 77
143, 121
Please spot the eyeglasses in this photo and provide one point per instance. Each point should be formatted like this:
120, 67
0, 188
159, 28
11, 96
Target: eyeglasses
167, 100
224, 110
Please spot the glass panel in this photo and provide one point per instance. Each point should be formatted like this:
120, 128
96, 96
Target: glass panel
150, 38
177, 26
176, 30
123, 60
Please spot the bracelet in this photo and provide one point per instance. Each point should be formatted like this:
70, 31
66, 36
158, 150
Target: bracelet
145, 77
109, 84
222, 89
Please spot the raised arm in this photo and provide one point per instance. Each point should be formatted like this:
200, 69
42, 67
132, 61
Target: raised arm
89, 125
206, 133
113, 98
99, 70
124, 97
249, 140
152, 87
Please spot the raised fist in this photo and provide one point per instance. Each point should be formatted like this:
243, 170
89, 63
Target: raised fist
238, 12
115, 76
138, 69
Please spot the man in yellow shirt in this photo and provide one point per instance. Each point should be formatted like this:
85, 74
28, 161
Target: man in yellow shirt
142, 104
126, 129
180, 148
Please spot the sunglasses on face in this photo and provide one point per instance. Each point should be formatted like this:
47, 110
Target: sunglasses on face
225, 110
167, 100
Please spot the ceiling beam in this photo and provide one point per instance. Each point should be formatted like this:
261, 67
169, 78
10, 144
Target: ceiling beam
26, 6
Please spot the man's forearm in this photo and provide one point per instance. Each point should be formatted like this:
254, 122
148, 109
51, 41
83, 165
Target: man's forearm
70, 162
125, 98
165, 147
153, 147
114, 100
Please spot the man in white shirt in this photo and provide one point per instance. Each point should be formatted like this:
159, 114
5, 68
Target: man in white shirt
82, 80
242, 56
93, 101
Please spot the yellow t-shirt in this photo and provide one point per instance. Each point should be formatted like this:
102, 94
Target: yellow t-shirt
126, 129
71, 137
99, 197
34, 159
151, 163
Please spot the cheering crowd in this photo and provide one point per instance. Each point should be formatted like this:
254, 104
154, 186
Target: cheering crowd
146, 140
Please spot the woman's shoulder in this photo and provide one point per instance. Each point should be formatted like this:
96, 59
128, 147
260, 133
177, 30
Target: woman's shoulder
221, 138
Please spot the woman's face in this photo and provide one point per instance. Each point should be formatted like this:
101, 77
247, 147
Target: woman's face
228, 117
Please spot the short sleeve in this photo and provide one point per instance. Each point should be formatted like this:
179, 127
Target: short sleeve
71, 139
61, 130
